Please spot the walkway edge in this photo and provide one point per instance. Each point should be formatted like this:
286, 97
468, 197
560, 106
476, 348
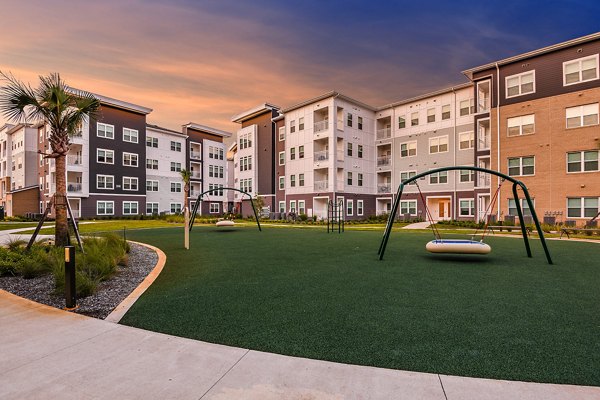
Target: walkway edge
117, 314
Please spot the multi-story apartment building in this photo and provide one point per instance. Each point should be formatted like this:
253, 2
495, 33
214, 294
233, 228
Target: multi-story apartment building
165, 157
537, 120
205, 158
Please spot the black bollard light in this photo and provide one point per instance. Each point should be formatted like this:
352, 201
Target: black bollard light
70, 294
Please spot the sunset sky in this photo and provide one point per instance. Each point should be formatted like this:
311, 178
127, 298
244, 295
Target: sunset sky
204, 61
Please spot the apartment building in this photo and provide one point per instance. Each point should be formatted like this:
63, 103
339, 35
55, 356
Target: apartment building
165, 157
537, 113
205, 158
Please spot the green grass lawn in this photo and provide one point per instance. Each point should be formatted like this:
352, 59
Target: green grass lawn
4, 226
112, 225
307, 293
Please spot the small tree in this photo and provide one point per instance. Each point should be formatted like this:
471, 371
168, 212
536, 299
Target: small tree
185, 176
259, 203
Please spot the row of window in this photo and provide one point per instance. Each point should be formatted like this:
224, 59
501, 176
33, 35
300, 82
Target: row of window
131, 208
217, 171
215, 152
360, 206
576, 117
246, 163
245, 141
107, 131
246, 185
466, 107
104, 156
577, 161
438, 144
108, 182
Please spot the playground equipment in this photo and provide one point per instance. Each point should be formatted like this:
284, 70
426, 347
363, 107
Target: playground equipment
516, 185
335, 216
225, 222
228, 223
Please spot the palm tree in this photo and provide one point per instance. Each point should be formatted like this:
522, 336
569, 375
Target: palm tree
185, 176
62, 109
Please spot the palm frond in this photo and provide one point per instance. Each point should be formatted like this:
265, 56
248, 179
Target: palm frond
18, 101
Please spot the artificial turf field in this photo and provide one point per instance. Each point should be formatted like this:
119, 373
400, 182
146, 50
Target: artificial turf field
304, 292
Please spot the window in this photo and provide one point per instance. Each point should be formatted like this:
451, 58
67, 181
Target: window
512, 207
217, 189
175, 187
151, 208
360, 123
467, 207
293, 206
581, 70
431, 115
221, 152
301, 123
282, 206
293, 180
282, 133
582, 115
151, 186
214, 208
438, 178
292, 153
246, 185
175, 146
211, 171
245, 141
130, 135
245, 163
401, 122
130, 207
301, 207
105, 156
221, 172
520, 84
105, 207
349, 150
130, 159
130, 183
292, 126
359, 179
151, 142
300, 179
521, 166
175, 208
583, 161
349, 178
408, 207
105, 131
446, 112
282, 183
360, 151
438, 144
360, 207
151, 164
408, 149
301, 152
405, 175
211, 152
466, 175
523, 125
349, 120
105, 181
350, 207
282, 158
414, 119
467, 107
175, 166
582, 207
466, 140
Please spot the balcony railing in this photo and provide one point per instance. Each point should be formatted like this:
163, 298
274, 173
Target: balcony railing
195, 175
73, 159
321, 155
483, 104
483, 180
384, 133
384, 188
384, 161
321, 126
321, 185
73, 187
195, 154
484, 142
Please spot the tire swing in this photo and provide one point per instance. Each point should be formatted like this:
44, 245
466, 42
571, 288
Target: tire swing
459, 246
221, 223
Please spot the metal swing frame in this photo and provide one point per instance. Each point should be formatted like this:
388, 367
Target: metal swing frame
516, 184
199, 200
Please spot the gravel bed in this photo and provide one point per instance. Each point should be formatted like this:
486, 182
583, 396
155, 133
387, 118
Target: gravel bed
141, 262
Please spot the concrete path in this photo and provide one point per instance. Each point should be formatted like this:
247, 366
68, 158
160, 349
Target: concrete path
48, 353
417, 225
9, 235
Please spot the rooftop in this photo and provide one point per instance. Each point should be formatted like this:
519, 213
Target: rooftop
207, 129
253, 112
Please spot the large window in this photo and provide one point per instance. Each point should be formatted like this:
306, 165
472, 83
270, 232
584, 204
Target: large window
130, 183
175, 166
408, 149
408, 207
466, 175
246, 163
246, 185
582, 207
467, 107
130, 135
175, 187
151, 186
467, 207
521, 166
175, 146
175, 208
105, 156
245, 141
214, 208
520, 84
151, 208
512, 207
582, 161
105, 207
151, 142
438, 178
105, 131
405, 175
438, 144
151, 164
130, 207
105, 181
523, 125
466, 140
130, 159
585, 115
581, 70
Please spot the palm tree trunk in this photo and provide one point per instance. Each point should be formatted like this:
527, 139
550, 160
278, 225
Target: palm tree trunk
186, 217
61, 228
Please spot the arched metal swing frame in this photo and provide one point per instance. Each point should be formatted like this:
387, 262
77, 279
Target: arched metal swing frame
199, 200
516, 184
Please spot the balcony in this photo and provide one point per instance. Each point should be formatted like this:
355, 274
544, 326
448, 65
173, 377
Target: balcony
483, 180
195, 155
321, 156
384, 133
384, 161
74, 159
483, 104
74, 187
484, 143
196, 175
321, 186
321, 126
384, 188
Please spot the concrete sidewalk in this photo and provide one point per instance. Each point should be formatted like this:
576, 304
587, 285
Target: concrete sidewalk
48, 353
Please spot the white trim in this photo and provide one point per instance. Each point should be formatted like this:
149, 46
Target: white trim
137, 135
279, 159
580, 60
438, 139
106, 202
105, 125
104, 162
137, 206
131, 179
520, 158
105, 176
350, 207
362, 202
520, 76
137, 159
472, 199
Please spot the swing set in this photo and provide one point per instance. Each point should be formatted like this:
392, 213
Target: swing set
467, 246
226, 223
